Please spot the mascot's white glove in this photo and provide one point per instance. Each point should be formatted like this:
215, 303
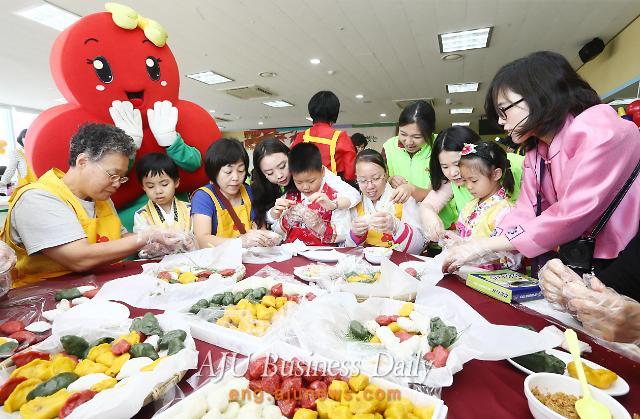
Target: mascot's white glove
127, 119
162, 121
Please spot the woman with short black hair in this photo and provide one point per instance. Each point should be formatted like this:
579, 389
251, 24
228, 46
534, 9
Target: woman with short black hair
580, 155
223, 209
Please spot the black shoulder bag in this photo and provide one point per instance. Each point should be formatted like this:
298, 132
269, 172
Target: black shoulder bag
578, 254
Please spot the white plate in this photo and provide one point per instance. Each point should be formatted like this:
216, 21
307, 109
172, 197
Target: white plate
327, 256
619, 388
313, 272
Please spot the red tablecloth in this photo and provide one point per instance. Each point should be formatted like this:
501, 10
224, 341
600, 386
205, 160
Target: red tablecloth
482, 389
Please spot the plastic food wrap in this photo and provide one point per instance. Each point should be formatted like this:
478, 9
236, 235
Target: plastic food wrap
355, 275
300, 214
324, 326
147, 290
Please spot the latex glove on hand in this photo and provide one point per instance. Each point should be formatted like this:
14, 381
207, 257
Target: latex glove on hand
552, 278
163, 119
359, 226
384, 223
280, 206
603, 312
313, 222
323, 200
256, 238
402, 193
474, 251
7, 257
128, 119
433, 228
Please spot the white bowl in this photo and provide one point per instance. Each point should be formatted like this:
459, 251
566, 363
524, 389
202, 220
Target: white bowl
554, 383
376, 254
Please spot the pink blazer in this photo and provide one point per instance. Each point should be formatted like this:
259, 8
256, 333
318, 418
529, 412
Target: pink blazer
587, 163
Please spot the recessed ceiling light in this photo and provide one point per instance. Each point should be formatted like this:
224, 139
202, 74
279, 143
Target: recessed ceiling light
260, 123
212, 110
464, 40
462, 87
209, 77
49, 15
454, 111
619, 102
451, 57
359, 96
315, 61
460, 124
268, 74
277, 103
383, 115
308, 118
60, 100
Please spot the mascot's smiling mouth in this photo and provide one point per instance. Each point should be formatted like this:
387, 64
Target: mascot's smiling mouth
136, 98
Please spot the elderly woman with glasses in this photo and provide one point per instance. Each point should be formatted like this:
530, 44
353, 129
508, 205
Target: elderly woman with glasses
377, 220
65, 222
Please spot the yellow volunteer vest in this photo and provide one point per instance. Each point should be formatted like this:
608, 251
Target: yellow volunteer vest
331, 142
225, 222
33, 268
374, 238
184, 217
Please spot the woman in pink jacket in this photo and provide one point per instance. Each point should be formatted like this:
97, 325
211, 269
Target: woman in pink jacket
588, 153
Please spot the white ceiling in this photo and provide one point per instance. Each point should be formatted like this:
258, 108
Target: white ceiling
384, 49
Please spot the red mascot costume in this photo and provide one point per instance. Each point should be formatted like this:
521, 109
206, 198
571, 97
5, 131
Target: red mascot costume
115, 67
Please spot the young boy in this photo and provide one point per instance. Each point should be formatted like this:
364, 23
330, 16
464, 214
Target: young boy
314, 214
158, 175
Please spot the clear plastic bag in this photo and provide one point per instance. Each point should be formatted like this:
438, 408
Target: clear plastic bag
302, 215
355, 275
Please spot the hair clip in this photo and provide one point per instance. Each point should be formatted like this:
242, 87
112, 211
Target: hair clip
468, 149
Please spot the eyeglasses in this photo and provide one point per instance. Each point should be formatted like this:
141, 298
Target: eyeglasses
114, 178
502, 112
371, 181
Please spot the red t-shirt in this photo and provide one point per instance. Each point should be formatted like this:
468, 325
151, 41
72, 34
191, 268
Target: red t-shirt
345, 155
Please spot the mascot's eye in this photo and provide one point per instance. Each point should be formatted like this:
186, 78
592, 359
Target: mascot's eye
153, 67
103, 71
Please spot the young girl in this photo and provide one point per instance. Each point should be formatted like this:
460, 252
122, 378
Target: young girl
222, 209
486, 172
450, 195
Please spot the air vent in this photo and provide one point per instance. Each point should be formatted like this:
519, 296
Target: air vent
249, 92
403, 103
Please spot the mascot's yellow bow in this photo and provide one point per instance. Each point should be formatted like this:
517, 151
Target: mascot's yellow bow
127, 18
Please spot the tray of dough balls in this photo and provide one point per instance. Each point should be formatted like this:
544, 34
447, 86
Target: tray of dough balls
247, 315
286, 382
97, 363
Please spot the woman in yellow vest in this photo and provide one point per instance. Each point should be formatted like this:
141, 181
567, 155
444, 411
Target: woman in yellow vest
17, 162
66, 222
223, 210
377, 220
